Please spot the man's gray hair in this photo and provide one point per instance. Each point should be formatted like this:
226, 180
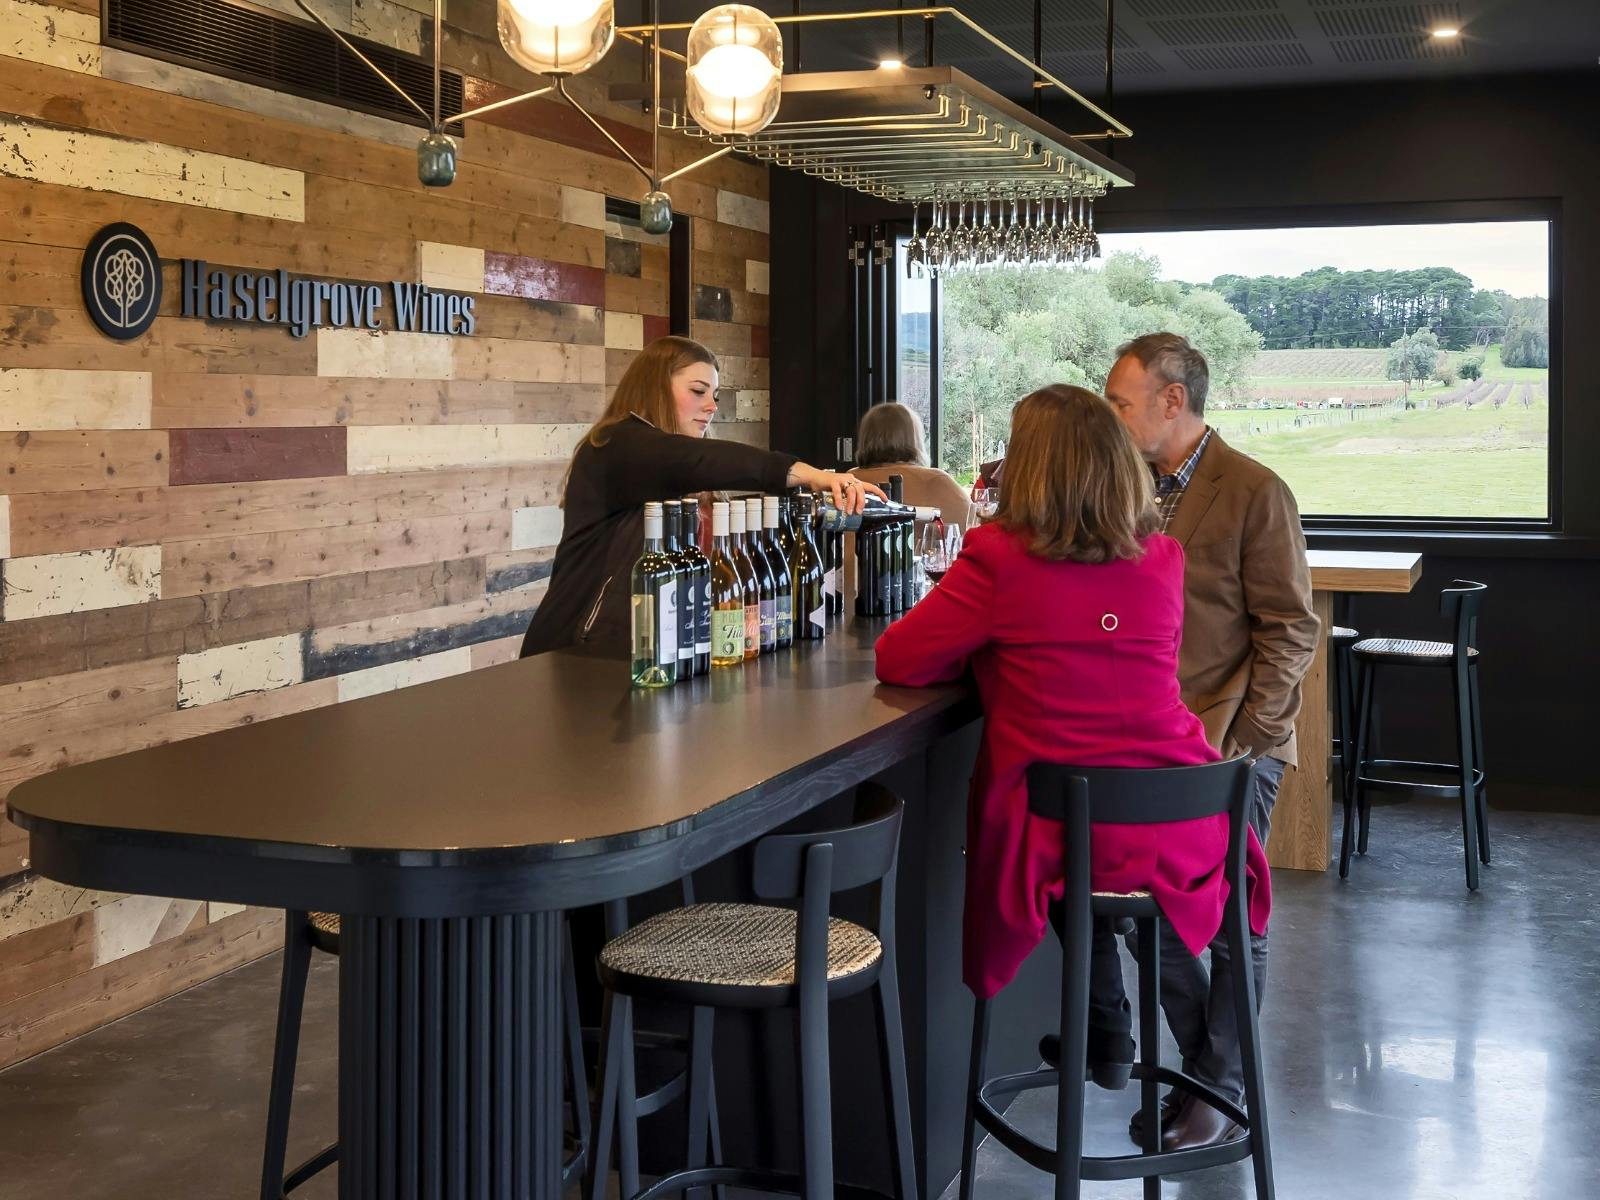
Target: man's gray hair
1172, 359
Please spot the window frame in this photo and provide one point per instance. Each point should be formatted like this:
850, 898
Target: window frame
1546, 209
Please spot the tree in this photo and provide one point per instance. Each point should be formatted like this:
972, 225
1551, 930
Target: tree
1527, 340
1470, 367
1413, 357
1445, 371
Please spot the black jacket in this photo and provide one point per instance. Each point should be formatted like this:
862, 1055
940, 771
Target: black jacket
587, 604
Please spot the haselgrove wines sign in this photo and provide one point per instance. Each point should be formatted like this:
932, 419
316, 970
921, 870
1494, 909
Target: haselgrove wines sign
122, 289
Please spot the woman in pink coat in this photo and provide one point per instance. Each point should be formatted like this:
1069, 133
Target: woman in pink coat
1068, 607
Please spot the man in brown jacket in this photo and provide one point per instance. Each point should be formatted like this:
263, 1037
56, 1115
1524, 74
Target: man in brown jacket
1249, 635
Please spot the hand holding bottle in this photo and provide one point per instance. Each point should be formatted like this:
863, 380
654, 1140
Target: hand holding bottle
849, 493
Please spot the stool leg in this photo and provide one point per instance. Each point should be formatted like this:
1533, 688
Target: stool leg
816, 1105
1244, 1012
719, 1191
1469, 795
285, 1049
1354, 760
1477, 761
891, 1039
577, 1073
1077, 935
1369, 683
609, 1070
699, 1124
628, 1104
1150, 1044
980, 1052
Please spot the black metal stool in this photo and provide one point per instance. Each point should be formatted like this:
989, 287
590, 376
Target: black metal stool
1079, 797
304, 932
1459, 603
751, 956
1342, 671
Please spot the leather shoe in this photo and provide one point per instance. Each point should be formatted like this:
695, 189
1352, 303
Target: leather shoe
1170, 1104
1110, 1056
1197, 1124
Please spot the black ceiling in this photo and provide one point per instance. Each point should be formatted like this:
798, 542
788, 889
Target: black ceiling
1187, 45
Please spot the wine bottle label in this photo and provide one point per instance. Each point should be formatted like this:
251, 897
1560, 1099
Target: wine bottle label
727, 633
769, 624
702, 625
785, 618
644, 627
685, 602
667, 628
752, 628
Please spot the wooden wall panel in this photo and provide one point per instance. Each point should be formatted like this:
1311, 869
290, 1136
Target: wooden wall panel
219, 523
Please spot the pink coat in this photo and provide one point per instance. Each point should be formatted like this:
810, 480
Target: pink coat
1076, 663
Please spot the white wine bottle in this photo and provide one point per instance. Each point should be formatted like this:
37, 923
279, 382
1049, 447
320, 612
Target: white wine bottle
747, 579
766, 578
727, 595
655, 609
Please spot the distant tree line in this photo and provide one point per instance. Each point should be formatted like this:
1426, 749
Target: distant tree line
1331, 309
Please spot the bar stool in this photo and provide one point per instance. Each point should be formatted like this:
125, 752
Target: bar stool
1340, 639
1079, 797
1459, 603
304, 932
756, 956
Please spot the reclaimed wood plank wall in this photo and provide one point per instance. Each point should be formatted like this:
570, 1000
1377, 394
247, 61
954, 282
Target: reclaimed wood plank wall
216, 524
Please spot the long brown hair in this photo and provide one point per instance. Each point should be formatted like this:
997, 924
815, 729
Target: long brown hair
646, 389
1073, 480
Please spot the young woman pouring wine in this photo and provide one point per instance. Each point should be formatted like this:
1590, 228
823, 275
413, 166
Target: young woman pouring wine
650, 444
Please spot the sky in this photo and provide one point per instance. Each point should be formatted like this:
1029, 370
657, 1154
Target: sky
1509, 255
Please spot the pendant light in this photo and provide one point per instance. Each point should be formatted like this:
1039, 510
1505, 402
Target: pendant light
735, 70
557, 37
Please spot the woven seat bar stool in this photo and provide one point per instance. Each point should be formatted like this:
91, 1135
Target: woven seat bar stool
755, 956
307, 931
1459, 603
1079, 797
1343, 709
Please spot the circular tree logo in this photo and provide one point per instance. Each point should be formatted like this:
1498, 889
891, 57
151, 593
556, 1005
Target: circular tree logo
122, 281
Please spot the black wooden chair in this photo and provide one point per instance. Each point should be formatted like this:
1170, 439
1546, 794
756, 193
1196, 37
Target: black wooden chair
1079, 797
754, 956
1465, 777
305, 932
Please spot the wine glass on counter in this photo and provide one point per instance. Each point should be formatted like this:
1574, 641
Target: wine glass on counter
937, 550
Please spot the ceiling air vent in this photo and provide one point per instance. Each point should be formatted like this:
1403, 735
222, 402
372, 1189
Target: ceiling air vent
252, 45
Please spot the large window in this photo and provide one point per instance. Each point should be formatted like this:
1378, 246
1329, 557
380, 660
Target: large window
1384, 371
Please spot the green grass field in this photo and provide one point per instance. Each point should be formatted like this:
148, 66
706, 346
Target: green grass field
1449, 462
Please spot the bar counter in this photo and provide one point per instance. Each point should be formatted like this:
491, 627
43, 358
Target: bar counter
451, 823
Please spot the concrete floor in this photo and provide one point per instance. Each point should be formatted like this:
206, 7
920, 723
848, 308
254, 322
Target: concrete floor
1423, 1044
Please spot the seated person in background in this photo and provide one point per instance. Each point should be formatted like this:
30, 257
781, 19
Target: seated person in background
1068, 607
889, 442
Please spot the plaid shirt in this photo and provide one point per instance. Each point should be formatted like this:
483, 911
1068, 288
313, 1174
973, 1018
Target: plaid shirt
1170, 488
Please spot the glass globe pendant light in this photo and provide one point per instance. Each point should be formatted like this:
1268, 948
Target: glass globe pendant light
735, 74
557, 37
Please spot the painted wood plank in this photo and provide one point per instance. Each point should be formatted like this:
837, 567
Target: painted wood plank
342, 649
742, 373
453, 268
439, 447
518, 569
59, 338
38, 903
580, 206
732, 239
58, 522
33, 400
753, 405
219, 401
41, 585
241, 455
648, 296
540, 525
516, 319
5, 527
39, 958
761, 341
555, 121
722, 338
52, 1015
384, 355
54, 37
387, 24
624, 331
656, 327
68, 461
757, 277
224, 672
745, 211
528, 362
617, 364
76, 158
226, 564
542, 279
376, 680
484, 654
623, 257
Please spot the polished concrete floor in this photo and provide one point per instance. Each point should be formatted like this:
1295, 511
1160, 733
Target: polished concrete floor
1423, 1044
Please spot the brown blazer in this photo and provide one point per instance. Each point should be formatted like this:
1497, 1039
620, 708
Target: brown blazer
1249, 631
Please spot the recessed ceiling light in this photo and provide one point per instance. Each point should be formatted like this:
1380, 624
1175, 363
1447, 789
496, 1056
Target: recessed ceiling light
891, 64
1447, 31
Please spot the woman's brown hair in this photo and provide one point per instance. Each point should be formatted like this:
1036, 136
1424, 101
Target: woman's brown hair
646, 386
1073, 480
890, 433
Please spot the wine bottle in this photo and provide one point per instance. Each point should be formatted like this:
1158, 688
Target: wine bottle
727, 594
766, 582
866, 584
810, 604
683, 566
832, 577
747, 579
701, 586
655, 609
782, 581
876, 513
